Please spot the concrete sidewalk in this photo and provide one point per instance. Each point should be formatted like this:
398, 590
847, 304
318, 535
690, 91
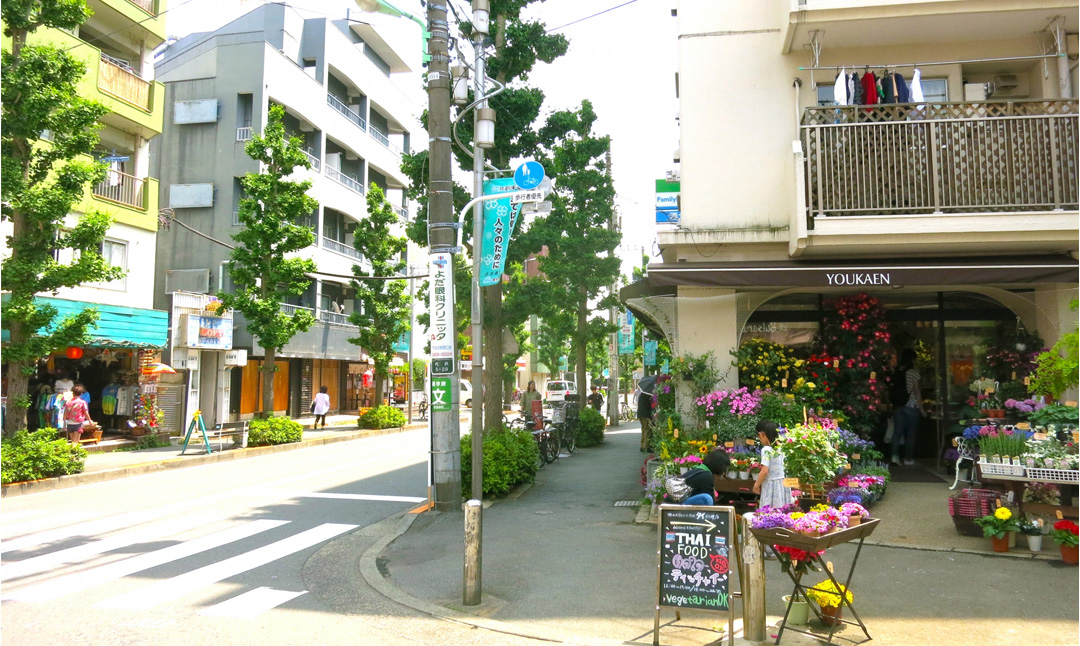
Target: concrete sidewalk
563, 563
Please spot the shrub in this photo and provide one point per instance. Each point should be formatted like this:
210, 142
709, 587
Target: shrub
590, 430
274, 430
381, 417
509, 459
33, 456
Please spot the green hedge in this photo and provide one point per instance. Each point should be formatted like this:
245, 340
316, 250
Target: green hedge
590, 430
382, 417
33, 456
509, 459
274, 430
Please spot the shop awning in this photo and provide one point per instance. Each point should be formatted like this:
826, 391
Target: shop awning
861, 274
117, 326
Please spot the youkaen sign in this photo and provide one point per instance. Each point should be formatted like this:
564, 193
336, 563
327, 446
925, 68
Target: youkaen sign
850, 279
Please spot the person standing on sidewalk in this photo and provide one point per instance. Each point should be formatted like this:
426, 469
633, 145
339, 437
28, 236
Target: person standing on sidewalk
906, 418
645, 416
527, 398
770, 480
76, 413
321, 406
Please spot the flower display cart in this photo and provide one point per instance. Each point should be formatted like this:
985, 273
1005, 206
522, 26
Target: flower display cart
815, 547
1015, 483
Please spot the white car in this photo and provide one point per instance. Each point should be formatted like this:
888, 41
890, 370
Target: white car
466, 392
558, 391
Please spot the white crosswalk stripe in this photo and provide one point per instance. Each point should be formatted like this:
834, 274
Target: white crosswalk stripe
251, 604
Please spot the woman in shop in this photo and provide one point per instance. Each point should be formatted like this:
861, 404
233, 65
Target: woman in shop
906, 418
321, 406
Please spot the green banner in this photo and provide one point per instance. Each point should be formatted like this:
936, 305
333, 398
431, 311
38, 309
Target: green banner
500, 217
441, 394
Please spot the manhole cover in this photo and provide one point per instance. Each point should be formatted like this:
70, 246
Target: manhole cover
627, 503
544, 513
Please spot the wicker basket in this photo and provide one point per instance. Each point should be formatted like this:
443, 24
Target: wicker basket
969, 504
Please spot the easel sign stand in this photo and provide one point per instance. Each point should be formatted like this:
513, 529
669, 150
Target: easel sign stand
196, 419
694, 547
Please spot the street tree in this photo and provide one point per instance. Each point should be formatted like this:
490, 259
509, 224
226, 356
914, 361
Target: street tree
261, 265
41, 181
581, 263
383, 315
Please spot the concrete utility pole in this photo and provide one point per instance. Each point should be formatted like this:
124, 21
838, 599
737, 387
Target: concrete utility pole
613, 384
445, 425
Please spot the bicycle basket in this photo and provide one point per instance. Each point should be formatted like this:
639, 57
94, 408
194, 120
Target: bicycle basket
558, 415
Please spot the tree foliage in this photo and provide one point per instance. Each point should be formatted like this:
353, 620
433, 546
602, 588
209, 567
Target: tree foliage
384, 313
261, 266
41, 181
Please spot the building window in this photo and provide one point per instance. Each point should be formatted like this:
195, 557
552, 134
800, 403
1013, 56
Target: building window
115, 254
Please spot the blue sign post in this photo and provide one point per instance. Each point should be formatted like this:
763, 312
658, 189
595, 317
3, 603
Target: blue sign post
529, 175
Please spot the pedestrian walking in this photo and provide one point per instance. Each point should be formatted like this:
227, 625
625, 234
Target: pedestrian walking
770, 480
76, 413
645, 416
906, 418
321, 406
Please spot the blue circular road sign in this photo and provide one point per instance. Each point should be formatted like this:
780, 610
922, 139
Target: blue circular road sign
529, 175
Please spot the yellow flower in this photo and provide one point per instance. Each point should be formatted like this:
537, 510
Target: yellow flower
810, 384
1003, 513
797, 515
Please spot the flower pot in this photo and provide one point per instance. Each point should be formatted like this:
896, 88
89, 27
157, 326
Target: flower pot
999, 544
744, 475
1011, 537
854, 520
732, 475
683, 470
830, 615
1069, 554
1035, 543
799, 613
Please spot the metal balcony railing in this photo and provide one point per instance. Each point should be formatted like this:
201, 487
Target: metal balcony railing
122, 188
334, 318
243, 134
346, 111
116, 77
293, 309
344, 179
341, 248
383, 139
903, 159
149, 6
313, 159
401, 212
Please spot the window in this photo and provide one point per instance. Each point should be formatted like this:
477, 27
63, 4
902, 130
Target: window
115, 254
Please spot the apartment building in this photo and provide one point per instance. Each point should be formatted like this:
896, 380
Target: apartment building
116, 44
333, 77
955, 206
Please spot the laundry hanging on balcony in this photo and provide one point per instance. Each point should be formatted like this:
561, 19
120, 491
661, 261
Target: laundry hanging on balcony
851, 89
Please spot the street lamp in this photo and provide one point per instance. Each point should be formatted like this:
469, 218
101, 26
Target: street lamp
485, 128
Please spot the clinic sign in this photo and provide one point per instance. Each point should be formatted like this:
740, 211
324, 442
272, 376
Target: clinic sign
441, 310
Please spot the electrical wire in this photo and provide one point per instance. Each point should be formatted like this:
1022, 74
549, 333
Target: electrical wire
599, 13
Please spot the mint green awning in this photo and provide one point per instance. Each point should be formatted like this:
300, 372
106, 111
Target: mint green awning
117, 326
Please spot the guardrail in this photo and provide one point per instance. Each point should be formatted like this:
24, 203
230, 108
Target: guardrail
243, 134
118, 79
340, 247
346, 180
122, 188
346, 111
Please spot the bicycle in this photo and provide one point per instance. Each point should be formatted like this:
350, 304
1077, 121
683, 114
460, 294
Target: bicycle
423, 410
626, 413
564, 421
547, 448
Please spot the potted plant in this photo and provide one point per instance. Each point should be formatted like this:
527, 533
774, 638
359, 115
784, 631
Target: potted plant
810, 455
1033, 530
827, 596
854, 512
1065, 534
799, 613
996, 527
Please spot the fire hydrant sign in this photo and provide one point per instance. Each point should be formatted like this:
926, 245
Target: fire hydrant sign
441, 310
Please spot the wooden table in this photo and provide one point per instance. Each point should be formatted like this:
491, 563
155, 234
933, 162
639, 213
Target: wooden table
1016, 484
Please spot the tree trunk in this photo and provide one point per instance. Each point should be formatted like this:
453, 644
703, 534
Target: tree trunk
268, 369
582, 349
15, 418
379, 379
493, 357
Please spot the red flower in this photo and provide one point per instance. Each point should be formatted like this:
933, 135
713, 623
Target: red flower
1068, 526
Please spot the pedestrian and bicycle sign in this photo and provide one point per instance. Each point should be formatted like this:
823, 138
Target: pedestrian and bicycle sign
529, 175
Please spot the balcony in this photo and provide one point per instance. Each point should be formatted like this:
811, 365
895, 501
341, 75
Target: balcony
123, 189
344, 179
243, 134
313, 159
401, 213
346, 111
341, 248
383, 139
149, 6
334, 318
119, 80
946, 158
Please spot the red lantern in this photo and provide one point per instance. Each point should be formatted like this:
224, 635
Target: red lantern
74, 352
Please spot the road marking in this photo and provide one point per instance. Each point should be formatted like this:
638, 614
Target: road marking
251, 604
80, 581
78, 553
362, 496
155, 594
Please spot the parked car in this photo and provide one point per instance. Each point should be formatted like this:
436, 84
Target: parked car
558, 391
466, 392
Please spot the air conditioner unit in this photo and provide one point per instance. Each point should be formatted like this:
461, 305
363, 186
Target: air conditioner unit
1006, 81
978, 91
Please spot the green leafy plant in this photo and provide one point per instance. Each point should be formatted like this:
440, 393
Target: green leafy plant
810, 454
1065, 532
382, 417
1003, 442
152, 441
998, 524
764, 364
1028, 527
1055, 414
699, 370
590, 431
1058, 369
509, 460
274, 430
30, 456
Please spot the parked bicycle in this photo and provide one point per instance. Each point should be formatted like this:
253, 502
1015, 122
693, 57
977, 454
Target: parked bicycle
423, 410
564, 418
626, 412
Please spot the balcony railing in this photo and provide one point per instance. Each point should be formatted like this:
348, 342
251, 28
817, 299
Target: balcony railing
346, 111
334, 318
313, 159
243, 134
293, 309
383, 139
401, 212
118, 79
149, 6
341, 247
122, 188
903, 159
342, 178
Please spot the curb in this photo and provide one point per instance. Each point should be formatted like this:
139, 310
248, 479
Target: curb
75, 480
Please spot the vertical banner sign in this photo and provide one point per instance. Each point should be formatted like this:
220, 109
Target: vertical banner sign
500, 218
626, 333
665, 368
441, 310
650, 353
696, 547
440, 394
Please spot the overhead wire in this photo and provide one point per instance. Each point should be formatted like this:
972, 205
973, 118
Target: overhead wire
599, 13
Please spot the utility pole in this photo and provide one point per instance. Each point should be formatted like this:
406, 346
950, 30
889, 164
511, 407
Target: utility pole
613, 386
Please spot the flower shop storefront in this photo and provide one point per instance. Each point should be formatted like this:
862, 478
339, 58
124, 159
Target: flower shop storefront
970, 322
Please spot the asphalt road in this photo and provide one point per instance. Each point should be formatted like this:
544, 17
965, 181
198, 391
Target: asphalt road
259, 551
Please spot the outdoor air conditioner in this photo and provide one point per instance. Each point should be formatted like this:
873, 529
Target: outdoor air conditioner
978, 91
1006, 81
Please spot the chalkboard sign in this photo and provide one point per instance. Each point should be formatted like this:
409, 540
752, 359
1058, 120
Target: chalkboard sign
697, 552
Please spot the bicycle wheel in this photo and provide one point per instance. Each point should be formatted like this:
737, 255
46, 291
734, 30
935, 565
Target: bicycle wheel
569, 438
541, 458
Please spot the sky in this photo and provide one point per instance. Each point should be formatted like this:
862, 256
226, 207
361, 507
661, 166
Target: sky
623, 60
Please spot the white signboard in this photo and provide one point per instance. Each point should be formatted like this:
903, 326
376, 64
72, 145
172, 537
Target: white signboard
236, 358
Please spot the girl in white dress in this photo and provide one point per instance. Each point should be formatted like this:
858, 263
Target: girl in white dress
770, 481
322, 407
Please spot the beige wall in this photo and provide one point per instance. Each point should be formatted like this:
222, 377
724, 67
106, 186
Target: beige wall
707, 323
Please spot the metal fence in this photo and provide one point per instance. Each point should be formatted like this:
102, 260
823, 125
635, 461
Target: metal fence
346, 111
340, 247
941, 158
122, 188
345, 179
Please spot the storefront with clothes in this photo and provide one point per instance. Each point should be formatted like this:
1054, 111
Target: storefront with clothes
114, 368
966, 320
